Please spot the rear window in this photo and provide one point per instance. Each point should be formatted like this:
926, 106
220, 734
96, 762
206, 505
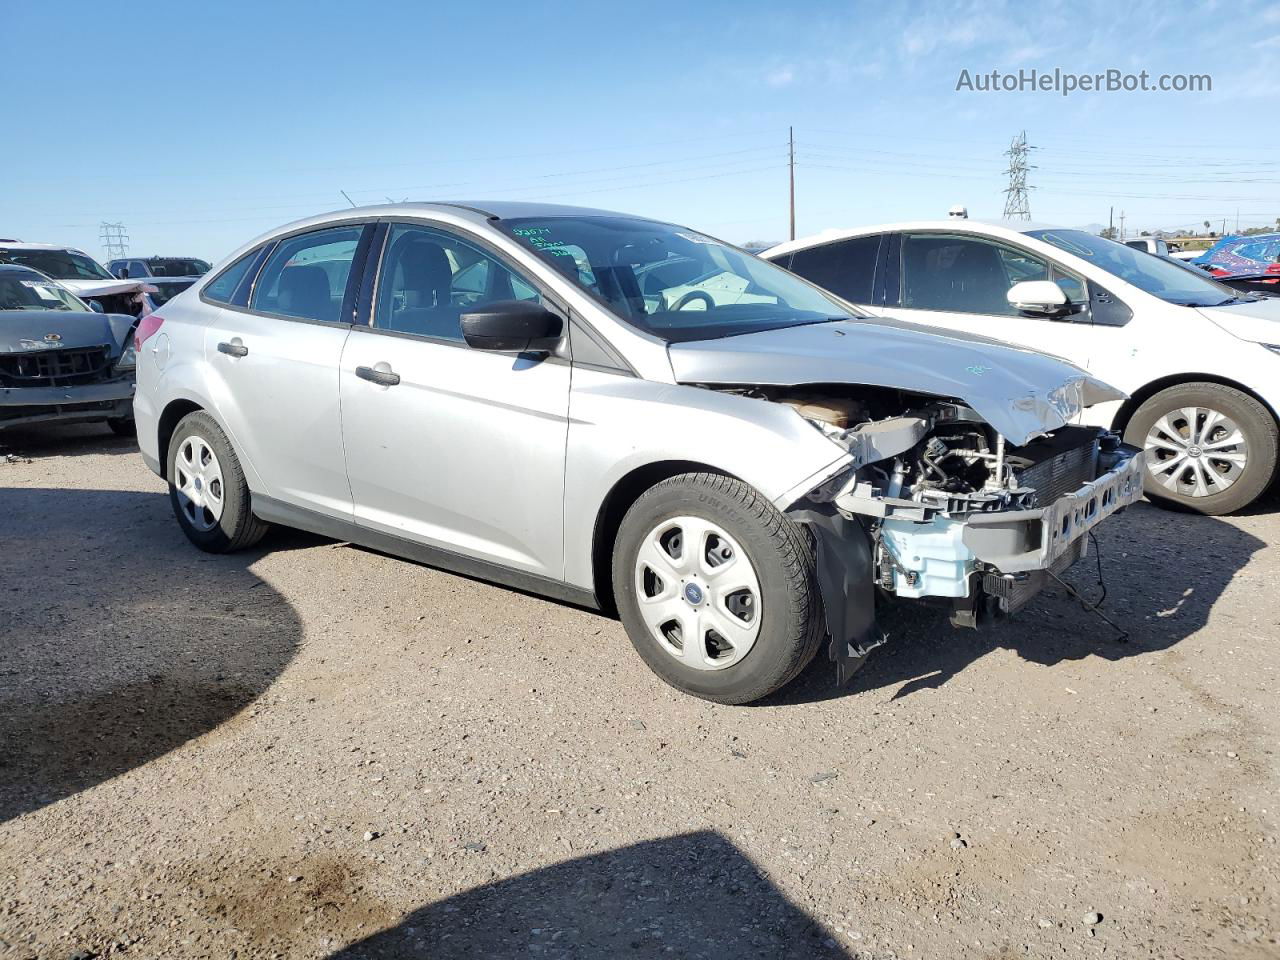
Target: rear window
223, 287
846, 268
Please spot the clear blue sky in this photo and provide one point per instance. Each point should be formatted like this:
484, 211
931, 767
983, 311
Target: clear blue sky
201, 125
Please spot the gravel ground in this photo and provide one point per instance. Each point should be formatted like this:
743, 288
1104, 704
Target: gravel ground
314, 750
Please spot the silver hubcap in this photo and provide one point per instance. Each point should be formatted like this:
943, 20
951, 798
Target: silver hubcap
198, 482
698, 592
1196, 452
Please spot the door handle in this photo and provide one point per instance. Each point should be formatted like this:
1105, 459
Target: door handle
233, 349
383, 378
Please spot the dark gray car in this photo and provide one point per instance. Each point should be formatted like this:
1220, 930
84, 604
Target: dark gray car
59, 358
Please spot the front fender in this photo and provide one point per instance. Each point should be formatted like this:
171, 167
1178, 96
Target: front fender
620, 424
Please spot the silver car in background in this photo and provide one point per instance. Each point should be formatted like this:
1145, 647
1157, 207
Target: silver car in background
627, 415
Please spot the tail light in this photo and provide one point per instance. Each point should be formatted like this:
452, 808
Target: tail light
147, 326
1273, 268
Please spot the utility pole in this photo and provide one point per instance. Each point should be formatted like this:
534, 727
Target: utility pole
1121, 224
1017, 206
1224, 226
791, 167
115, 242
1111, 223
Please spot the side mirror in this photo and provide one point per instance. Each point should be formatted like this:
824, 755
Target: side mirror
1042, 297
512, 326
96, 307
122, 273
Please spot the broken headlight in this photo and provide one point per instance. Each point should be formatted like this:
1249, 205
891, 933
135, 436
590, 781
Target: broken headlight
128, 360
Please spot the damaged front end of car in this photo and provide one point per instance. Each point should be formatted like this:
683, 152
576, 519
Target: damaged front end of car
937, 505
968, 479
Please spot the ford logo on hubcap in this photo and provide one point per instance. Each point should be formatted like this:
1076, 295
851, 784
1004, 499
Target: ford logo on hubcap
693, 593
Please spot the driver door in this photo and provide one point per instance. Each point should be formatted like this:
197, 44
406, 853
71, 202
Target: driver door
961, 282
459, 449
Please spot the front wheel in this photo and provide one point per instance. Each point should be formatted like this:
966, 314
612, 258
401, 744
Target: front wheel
123, 426
1209, 447
716, 588
207, 487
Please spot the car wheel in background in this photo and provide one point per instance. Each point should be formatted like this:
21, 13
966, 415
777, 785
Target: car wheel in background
123, 426
207, 488
1209, 448
716, 588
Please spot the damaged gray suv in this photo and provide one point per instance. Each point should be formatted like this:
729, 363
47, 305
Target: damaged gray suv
627, 415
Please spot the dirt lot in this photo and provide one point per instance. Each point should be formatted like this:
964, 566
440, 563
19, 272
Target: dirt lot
313, 750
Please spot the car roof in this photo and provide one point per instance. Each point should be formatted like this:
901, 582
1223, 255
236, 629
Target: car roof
15, 245
479, 210
1008, 229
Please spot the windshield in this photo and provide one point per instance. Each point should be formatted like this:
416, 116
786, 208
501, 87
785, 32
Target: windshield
177, 267
20, 290
1153, 274
59, 264
672, 282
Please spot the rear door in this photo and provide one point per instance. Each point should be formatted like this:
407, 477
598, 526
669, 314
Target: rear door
456, 448
276, 359
848, 268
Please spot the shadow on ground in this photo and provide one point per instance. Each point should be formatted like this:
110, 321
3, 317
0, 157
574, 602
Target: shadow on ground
1163, 570
119, 641
689, 896
61, 440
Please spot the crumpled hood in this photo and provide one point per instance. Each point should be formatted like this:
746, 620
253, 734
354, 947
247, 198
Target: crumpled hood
24, 330
1257, 321
1020, 393
103, 288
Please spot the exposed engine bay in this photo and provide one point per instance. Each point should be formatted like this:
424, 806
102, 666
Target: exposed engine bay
936, 504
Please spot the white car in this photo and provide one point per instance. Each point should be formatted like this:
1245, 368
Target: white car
81, 274
1200, 361
1154, 245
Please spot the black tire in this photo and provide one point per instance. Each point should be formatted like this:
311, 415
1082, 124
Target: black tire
782, 553
237, 528
123, 426
1256, 423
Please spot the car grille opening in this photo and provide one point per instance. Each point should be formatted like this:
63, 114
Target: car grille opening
57, 367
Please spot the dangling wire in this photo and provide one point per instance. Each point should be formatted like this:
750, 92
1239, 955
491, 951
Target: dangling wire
1095, 606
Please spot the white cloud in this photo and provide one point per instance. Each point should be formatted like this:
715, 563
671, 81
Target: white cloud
1269, 42
781, 77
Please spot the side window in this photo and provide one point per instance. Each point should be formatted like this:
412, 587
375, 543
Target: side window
306, 275
1071, 285
429, 278
846, 267
963, 274
223, 287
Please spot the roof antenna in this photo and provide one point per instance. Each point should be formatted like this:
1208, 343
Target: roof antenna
345, 197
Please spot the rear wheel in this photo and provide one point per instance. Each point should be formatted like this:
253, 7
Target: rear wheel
1209, 447
207, 488
716, 588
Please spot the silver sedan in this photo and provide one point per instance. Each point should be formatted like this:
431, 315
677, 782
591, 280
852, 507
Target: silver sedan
625, 414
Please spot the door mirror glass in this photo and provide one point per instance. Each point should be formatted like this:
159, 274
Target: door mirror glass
512, 326
1040, 297
122, 272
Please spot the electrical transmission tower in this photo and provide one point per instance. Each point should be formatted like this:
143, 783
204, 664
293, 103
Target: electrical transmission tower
115, 242
1017, 206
